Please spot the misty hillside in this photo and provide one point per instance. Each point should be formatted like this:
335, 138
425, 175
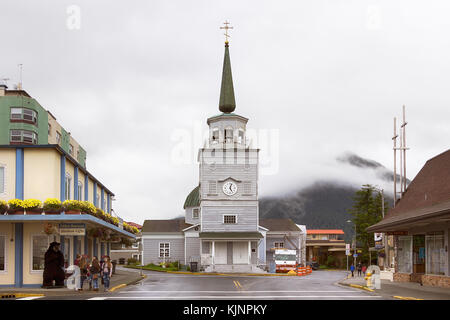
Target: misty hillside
324, 204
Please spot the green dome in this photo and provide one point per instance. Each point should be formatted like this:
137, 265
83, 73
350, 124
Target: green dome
193, 199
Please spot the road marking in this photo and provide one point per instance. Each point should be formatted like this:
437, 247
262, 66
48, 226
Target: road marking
230, 297
30, 298
117, 287
237, 284
232, 291
406, 298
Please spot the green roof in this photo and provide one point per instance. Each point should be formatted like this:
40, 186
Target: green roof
227, 103
193, 199
230, 235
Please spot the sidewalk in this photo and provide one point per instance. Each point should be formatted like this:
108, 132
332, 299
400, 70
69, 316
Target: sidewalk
120, 279
402, 290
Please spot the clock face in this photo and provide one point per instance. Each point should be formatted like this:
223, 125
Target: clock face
229, 188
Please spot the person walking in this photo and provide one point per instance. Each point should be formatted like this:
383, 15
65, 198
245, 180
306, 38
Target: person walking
77, 260
95, 270
106, 272
359, 268
352, 269
83, 271
364, 268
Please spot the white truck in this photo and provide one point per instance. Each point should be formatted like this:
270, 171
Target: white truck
285, 260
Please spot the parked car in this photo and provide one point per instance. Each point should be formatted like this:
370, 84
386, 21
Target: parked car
314, 265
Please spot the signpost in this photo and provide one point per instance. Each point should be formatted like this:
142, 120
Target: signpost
72, 229
347, 252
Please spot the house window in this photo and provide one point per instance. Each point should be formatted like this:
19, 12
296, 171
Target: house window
68, 183
215, 135
195, 213
435, 254
23, 136
228, 135
2, 180
404, 254
2, 253
229, 219
24, 114
135, 245
212, 187
241, 136
39, 245
247, 187
58, 137
278, 244
71, 149
164, 249
80, 190
49, 129
98, 199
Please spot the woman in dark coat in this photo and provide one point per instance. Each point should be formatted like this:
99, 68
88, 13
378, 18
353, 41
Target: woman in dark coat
54, 266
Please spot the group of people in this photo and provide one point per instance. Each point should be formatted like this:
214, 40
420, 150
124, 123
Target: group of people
361, 268
92, 270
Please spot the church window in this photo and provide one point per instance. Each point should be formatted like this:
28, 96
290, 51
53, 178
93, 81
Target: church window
215, 135
241, 136
195, 213
212, 187
229, 219
228, 135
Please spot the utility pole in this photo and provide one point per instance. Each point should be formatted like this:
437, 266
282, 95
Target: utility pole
394, 138
404, 148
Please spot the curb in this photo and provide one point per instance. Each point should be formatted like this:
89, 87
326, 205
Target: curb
120, 286
19, 295
406, 298
221, 274
357, 286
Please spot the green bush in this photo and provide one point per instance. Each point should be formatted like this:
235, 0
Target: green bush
132, 261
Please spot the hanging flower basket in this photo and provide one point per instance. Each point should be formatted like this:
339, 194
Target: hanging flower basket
95, 233
50, 228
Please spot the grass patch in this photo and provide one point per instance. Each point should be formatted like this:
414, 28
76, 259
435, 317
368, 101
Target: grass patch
153, 267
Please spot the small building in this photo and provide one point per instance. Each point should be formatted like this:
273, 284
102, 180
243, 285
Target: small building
121, 252
321, 243
420, 226
41, 160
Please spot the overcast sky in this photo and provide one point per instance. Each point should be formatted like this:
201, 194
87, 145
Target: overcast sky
128, 79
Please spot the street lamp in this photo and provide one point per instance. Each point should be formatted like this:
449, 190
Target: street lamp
354, 245
383, 241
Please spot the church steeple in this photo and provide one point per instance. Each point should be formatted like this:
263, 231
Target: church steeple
227, 103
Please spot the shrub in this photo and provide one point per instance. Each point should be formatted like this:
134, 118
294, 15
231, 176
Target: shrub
72, 205
3, 206
32, 204
52, 204
16, 204
132, 261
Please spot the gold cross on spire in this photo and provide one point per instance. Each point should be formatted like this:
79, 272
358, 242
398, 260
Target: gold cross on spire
226, 23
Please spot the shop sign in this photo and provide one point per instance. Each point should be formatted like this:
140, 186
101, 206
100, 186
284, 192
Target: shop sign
72, 229
347, 249
397, 233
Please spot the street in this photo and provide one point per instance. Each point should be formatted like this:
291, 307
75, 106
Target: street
319, 285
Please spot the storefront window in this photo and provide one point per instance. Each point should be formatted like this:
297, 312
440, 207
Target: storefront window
435, 255
404, 254
39, 247
2, 253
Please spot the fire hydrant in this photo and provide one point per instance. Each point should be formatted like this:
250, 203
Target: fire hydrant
368, 279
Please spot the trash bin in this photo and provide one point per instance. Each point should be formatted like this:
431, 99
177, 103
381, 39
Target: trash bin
121, 260
114, 262
194, 265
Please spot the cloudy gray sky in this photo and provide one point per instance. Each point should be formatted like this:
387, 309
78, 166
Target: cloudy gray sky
324, 76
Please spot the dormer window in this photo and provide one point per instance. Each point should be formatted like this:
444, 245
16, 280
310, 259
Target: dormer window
228, 135
215, 135
195, 213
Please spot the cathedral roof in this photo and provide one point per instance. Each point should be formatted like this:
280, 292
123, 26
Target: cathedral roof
227, 103
193, 199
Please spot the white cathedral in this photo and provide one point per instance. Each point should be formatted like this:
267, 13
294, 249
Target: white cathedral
222, 230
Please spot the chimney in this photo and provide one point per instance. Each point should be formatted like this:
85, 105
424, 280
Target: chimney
3, 88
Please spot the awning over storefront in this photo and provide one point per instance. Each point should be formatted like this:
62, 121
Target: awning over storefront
230, 235
66, 218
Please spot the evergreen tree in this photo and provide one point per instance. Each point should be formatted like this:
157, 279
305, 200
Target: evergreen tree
366, 211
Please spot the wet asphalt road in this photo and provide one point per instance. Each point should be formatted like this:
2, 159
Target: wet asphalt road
320, 285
